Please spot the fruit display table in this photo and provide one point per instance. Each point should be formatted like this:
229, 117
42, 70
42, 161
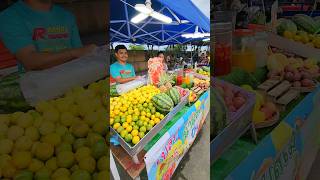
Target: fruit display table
285, 151
187, 123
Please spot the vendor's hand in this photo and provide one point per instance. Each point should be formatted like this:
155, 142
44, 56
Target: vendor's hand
79, 52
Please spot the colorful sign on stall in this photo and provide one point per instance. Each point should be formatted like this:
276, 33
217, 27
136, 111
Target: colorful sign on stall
165, 155
289, 150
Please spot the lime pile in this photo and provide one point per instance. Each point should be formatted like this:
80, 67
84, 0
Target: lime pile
63, 138
133, 114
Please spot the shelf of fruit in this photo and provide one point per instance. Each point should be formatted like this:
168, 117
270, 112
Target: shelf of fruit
64, 138
301, 28
301, 72
199, 87
202, 73
137, 116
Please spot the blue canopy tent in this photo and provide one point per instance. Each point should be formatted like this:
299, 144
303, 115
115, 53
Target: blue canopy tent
185, 15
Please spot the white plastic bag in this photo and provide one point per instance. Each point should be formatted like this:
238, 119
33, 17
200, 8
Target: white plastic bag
126, 87
54, 82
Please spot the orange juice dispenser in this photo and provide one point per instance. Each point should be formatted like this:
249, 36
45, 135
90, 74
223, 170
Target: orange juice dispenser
243, 50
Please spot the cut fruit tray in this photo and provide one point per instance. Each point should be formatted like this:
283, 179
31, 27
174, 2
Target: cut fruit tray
239, 122
275, 119
134, 150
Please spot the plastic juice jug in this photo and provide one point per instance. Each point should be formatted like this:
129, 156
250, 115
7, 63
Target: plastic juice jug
243, 53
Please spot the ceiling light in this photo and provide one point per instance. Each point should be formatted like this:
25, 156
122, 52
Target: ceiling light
143, 8
161, 17
196, 34
138, 18
147, 10
206, 40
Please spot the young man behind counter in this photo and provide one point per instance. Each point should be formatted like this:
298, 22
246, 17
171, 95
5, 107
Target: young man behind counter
122, 71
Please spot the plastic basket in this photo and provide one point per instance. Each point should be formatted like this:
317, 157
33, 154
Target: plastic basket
238, 123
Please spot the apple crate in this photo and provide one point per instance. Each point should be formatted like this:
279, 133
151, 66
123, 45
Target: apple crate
238, 123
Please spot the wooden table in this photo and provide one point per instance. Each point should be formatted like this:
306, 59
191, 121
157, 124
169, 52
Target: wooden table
127, 163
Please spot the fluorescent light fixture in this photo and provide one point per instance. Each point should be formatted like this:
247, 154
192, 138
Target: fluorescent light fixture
184, 21
161, 17
146, 10
143, 8
206, 40
196, 34
138, 18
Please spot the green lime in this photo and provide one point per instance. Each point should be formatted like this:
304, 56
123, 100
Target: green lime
143, 129
150, 105
123, 120
148, 111
145, 105
135, 127
120, 128
140, 123
128, 138
132, 123
153, 110
135, 118
123, 133
149, 127
145, 123
140, 108
141, 135
117, 119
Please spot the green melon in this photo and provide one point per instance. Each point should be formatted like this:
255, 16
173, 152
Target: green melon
162, 102
173, 93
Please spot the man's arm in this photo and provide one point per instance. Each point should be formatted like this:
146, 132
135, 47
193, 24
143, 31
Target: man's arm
125, 80
33, 60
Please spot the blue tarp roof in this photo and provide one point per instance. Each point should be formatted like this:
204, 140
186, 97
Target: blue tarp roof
185, 15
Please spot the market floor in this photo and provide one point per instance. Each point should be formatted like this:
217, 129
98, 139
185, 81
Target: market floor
195, 164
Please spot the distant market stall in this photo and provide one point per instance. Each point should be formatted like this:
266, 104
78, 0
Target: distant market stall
165, 110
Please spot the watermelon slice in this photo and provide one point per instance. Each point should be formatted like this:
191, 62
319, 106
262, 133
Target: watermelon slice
155, 67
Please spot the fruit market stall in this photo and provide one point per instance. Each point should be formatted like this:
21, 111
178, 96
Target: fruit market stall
149, 114
284, 115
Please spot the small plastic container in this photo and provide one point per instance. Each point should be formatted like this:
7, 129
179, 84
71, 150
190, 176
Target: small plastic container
243, 52
261, 44
223, 48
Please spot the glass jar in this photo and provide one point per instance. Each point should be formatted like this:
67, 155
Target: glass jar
243, 51
179, 76
222, 48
